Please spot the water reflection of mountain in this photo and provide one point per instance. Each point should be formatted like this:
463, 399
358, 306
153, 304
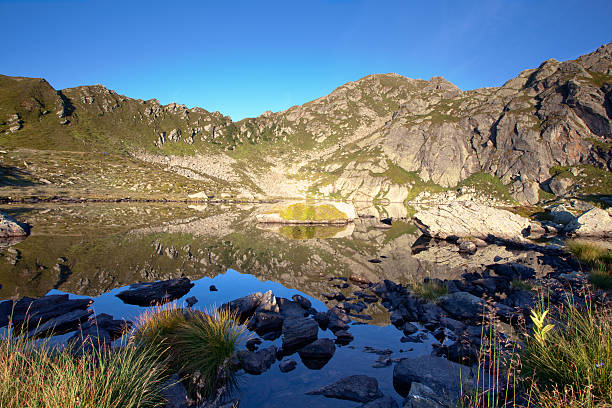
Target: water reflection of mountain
91, 249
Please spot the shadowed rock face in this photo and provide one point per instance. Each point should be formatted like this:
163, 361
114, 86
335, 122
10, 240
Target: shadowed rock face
379, 137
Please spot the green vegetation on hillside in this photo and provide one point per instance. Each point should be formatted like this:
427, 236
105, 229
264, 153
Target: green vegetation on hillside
310, 212
488, 184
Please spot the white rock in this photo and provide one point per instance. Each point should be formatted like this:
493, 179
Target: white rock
470, 220
592, 223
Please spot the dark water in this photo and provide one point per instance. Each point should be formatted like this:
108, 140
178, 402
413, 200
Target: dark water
95, 250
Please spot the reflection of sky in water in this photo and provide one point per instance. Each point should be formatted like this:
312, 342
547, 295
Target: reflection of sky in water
273, 388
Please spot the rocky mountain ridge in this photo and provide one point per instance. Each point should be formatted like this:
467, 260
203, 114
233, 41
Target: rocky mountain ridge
383, 137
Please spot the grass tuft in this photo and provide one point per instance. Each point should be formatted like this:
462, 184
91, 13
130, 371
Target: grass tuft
429, 290
37, 375
198, 345
573, 362
597, 259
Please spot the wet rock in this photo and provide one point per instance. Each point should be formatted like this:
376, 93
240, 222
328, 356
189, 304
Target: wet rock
10, 227
268, 303
421, 396
409, 328
322, 319
444, 377
338, 320
61, 324
213, 288
302, 301
37, 311
191, 301
252, 344
244, 306
155, 293
452, 324
256, 362
462, 305
97, 332
298, 332
290, 309
343, 337
263, 322
317, 354
384, 402
287, 365
359, 388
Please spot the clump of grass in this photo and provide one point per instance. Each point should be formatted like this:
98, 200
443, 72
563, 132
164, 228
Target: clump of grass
37, 375
595, 258
308, 212
572, 362
429, 290
198, 345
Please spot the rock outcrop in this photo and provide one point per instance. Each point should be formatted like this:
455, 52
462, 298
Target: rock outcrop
470, 220
10, 227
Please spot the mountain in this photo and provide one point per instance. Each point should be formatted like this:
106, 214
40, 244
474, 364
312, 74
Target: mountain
383, 137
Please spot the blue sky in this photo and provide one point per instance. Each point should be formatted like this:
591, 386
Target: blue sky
245, 57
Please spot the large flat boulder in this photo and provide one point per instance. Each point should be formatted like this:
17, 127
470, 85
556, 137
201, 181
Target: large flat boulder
298, 332
37, 311
155, 293
460, 219
443, 377
359, 388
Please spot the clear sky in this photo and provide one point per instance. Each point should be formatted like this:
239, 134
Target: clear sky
245, 57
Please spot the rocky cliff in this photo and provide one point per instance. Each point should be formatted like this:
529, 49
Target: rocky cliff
388, 137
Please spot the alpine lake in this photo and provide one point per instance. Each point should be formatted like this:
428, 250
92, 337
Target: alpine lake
96, 250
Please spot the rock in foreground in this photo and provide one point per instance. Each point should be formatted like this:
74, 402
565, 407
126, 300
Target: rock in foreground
360, 388
470, 220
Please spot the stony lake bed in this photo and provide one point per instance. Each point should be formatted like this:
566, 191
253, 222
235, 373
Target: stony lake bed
366, 285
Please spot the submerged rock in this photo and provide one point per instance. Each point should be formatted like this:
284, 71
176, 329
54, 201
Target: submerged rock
317, 354
359, 388
256, 362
